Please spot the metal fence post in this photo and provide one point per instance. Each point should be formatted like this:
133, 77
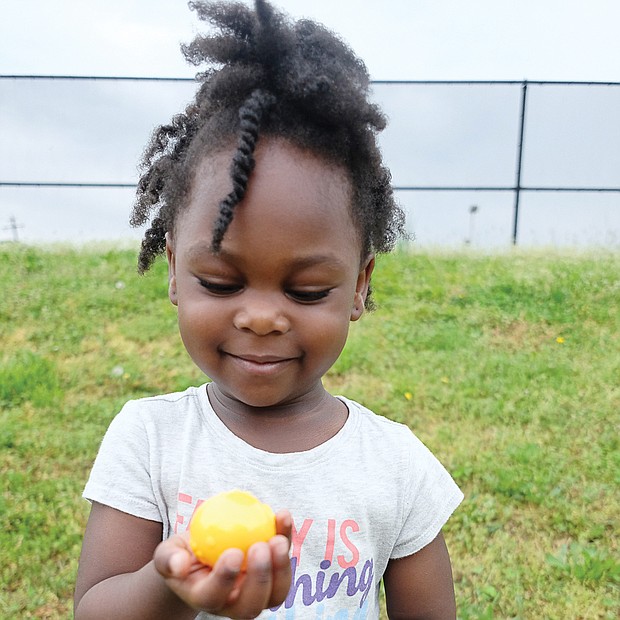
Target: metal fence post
515, 222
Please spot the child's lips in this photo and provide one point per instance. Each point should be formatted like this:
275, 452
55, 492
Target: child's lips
263, 364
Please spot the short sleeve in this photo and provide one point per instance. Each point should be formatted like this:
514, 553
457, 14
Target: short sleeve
120, 477
431, 496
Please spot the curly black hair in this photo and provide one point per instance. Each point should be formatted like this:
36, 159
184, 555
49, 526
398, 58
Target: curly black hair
273, 77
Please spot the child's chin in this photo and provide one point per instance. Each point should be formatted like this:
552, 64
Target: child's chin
260, 401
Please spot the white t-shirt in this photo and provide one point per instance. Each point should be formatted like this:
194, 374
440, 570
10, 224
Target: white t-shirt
370, 493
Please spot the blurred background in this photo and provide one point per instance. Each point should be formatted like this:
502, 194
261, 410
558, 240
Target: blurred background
70, 147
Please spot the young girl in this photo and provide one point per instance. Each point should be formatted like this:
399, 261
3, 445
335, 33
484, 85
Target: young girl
270, 200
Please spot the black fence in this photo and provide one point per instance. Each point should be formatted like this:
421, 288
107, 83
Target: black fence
402, 99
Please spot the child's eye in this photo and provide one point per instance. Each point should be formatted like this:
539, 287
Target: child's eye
220, 289
308, 297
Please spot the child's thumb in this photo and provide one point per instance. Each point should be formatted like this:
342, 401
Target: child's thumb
172, 558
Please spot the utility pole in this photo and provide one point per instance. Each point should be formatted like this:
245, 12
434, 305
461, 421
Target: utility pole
472, 212
13, 227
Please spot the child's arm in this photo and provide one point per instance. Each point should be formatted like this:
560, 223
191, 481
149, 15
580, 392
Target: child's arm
420, 586
118, 577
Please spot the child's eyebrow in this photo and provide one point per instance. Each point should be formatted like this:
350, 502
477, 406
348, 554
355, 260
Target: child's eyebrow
326, 260
204, 250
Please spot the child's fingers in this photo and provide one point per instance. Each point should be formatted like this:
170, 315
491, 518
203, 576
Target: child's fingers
220, 590
212, 590
225, 589
255, 593
172, 557
281, 569
284, 523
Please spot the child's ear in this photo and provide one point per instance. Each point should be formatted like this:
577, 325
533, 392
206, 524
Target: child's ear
361, 288
172, 274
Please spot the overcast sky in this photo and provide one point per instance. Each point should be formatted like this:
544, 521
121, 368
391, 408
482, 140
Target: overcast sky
398, 39
571, 40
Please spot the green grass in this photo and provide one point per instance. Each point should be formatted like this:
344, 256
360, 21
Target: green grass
507, 366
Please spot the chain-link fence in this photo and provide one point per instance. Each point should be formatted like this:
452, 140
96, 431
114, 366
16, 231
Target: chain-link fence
481, 163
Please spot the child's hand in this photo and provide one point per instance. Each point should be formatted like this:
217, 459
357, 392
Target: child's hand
224, 590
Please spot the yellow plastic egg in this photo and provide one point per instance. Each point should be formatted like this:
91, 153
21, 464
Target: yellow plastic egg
230, 519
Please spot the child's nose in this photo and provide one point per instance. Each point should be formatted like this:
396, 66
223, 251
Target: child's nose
261, 316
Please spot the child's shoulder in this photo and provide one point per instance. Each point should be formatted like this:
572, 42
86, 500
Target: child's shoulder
158, 409
371, 418
394, 449
378, 427
188, 397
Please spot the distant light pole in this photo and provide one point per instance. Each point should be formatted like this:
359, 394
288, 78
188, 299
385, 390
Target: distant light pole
472, 212
13, 226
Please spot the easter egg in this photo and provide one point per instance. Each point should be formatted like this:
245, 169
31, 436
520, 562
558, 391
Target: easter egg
230, 519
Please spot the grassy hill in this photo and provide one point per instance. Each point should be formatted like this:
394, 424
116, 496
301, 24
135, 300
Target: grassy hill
506, 366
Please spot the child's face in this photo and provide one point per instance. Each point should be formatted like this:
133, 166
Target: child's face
268, 316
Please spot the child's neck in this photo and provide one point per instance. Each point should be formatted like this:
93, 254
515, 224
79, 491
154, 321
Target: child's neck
294, 427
